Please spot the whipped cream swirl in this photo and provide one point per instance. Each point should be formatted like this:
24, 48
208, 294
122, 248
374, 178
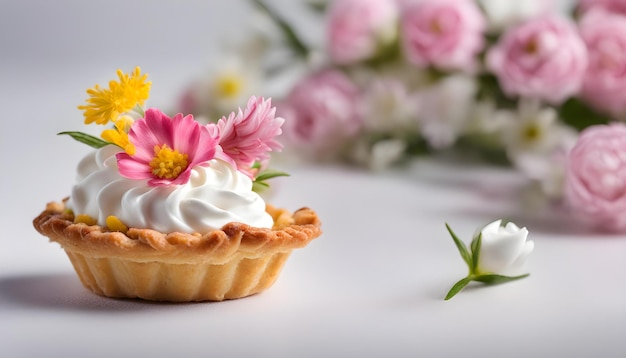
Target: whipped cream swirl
215, 195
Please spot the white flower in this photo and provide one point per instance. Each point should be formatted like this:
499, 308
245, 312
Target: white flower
536, 142
230, 84
504, 13
484, 119
445, 109
388, 107
504, 249
531, 128
547, 171
380, 155
497, 254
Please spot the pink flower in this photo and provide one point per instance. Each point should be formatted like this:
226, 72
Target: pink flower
321, 112
166, 149
544, 58
612, 6
359, 29
247, 136
445, 33
604, 86
595, 182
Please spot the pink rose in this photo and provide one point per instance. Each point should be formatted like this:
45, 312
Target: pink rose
321, 112
612, 6
595, 181
445, 33
543, 58
605, 82
359, 29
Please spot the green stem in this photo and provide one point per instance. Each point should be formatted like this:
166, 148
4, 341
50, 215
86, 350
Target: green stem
292, 38
139, 109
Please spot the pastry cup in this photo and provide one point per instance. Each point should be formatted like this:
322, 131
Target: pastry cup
236, 261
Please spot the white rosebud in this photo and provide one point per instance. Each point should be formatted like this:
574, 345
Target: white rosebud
496, 255
504, 249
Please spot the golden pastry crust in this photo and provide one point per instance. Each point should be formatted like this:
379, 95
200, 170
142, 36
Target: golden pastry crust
234, 262
158, 281
216, 247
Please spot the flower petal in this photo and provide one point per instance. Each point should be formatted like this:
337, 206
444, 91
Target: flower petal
247, 136
186, 134
206, 147
519, 265
131, 168
492, 227
154, 129
500, 249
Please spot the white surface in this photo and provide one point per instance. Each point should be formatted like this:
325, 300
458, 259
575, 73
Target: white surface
371, 286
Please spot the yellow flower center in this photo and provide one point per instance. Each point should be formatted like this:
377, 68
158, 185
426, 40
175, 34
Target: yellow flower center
229, 86
531, 133
167, 163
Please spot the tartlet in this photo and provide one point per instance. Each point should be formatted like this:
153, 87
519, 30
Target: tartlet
167, 209
234, 262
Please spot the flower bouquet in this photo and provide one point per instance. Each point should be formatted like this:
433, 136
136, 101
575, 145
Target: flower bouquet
537, 85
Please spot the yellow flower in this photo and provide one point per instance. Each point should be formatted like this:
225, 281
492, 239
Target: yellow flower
136, 85
119, 135
107, 104
229, 85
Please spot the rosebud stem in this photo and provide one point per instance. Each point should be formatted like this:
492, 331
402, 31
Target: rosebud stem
488, 279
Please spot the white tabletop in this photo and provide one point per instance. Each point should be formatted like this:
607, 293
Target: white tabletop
372, 285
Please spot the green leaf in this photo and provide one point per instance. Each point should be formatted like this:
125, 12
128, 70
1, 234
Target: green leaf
386, 54
461, 247
269, 174
474, 146
259, 187
290, 35
475, 247
493, 279
489, 87
259, 184
458, 287
579, 115
85, 138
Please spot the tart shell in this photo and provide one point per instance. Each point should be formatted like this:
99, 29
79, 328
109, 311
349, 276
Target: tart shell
236, 261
